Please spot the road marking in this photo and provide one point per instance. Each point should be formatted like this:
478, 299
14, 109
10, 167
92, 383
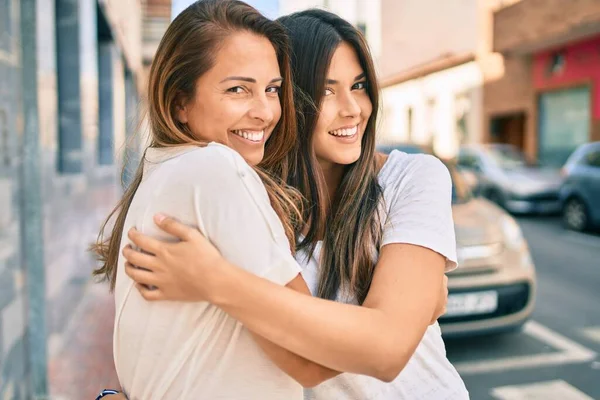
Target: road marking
592, 333
569, 352
557, 389
581, 238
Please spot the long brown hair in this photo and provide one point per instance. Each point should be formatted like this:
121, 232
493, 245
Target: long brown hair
351, 230
186, 52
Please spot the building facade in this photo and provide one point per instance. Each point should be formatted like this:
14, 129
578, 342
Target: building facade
547, 100
83, 61
364, 14
434, 66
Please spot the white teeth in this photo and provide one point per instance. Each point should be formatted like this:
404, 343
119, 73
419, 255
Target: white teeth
253, 136
345, 132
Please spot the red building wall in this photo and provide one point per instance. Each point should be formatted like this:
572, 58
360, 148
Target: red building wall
577, 63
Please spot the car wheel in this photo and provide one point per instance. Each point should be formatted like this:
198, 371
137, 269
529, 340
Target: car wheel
575, 214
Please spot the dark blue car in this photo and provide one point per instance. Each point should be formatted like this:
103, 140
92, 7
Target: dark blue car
580, 192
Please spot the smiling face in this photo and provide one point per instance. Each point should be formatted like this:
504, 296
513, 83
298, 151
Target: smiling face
345, 110
237, 101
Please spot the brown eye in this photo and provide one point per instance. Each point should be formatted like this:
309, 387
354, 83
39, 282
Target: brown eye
236, 89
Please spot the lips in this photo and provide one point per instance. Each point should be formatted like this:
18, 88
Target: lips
253, 136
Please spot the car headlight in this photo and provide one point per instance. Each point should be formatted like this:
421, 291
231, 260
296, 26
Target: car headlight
513, 236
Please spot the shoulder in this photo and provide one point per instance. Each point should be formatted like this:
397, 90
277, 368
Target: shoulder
212, 157
214, 164
402, 171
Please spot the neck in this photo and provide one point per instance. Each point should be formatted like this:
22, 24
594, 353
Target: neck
333, 174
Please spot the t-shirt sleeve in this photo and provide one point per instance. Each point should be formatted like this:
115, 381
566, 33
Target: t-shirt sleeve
420, 208
234, 212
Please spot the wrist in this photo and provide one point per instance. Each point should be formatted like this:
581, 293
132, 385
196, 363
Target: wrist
221, 283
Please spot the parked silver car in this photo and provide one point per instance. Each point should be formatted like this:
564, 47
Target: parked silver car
494, 287
580, 192
505, 177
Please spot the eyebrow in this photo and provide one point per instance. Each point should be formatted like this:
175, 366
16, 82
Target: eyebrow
247, 79
357, 77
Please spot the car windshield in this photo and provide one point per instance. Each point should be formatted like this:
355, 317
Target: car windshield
507, 157
461, 193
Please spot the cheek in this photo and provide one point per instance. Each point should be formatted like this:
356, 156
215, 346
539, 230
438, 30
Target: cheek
366, 108
276, 110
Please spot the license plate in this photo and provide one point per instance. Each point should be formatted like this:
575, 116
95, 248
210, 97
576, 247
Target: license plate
471, 303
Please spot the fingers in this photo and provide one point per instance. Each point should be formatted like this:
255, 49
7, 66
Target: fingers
141, 276
145, 242
174, 227
149, 294
139, 259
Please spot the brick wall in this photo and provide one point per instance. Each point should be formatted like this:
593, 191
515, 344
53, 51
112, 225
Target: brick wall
512, 92
529, 24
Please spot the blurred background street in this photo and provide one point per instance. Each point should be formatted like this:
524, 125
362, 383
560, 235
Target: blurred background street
505, 92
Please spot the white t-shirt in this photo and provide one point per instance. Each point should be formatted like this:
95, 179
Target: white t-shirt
417, 192
175, 350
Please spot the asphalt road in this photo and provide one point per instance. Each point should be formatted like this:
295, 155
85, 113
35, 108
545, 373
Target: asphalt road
556, 356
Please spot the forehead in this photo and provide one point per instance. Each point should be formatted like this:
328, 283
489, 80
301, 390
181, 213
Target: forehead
246, 54
344, 63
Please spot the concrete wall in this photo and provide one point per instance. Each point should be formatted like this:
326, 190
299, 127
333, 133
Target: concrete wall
416, 32
437, 102
367, 12
13, 366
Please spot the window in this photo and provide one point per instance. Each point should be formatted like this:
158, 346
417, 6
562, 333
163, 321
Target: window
592, 159
5, 25
469, 161
362, 27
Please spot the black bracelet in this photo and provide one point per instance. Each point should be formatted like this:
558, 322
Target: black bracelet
106, 392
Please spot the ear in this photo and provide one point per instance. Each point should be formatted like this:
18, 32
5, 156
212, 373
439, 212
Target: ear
181, 110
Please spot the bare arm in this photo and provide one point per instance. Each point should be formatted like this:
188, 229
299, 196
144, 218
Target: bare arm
304, 371
377, 339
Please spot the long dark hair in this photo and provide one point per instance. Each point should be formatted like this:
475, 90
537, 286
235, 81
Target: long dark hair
186, 52
351, 230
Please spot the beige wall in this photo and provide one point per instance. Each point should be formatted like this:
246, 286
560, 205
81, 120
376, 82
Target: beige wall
418, 31
353, 11
125, 18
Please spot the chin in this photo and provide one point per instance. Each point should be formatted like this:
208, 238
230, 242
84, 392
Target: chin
254, 158
347, 158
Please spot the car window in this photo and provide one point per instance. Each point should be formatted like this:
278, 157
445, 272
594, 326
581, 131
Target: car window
461, 193
507, 157
469, 160
592, 159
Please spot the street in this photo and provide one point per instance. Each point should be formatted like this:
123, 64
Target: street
556, 354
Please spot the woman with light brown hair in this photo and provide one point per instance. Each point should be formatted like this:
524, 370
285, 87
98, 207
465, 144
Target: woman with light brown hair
222, 126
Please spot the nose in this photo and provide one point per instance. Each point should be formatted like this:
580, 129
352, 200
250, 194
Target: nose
261, 109
349, 106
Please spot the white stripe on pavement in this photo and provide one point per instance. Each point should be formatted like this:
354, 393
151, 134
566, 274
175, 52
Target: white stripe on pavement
568, 352
557, 389
592, 333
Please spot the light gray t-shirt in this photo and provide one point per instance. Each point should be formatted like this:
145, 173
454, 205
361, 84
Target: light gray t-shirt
176, 350
417, 192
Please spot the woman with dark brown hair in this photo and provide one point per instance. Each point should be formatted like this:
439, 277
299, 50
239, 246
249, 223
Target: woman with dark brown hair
378, 239
222, 125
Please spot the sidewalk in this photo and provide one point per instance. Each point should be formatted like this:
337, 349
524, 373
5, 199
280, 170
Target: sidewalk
81, 362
